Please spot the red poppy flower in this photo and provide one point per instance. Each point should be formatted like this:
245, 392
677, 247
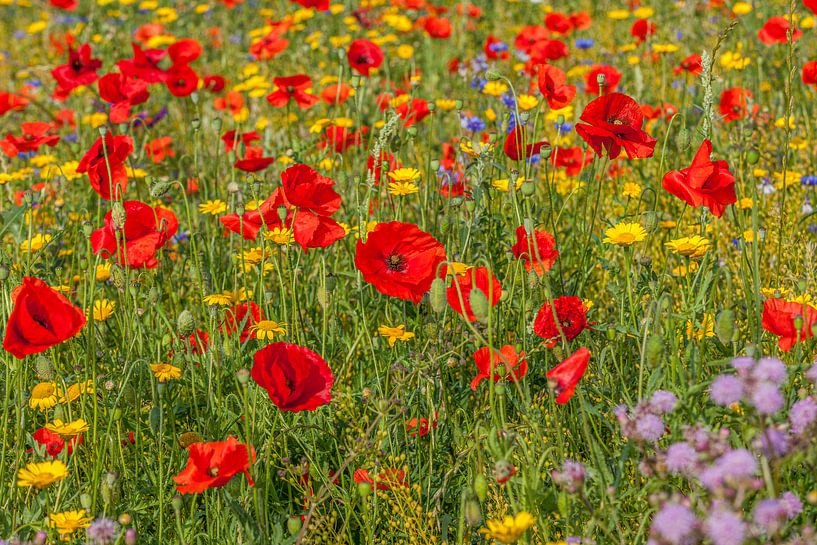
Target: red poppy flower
295, 377
292, 88
253, 160
413, 111
122, 92
232, 138
734, 103
437, 27
364, 55
308, 190
268, 47
420, 426
573, 160
538, 252
812, 5
35, 134
337, 93
320, 5
160, 148
691, 64
611, 79
581, 20
558, 23
553, 86
614, 122
665, 110
181, 80
214, 83
565, 376
80, 70
10, 102
41, 318
146, 230
810, 73
214, 464
776, 31
386, 479
241, 318
705, 183
502, 364
477, 278
144, 65
399, 260
543, 51
779, 320
54, 443
530, 36
340, 138
642, 29
116, 150
571, 314
516, 141
67, 5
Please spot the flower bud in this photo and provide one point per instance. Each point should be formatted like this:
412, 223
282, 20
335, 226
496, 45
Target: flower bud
654, 350
243, 376
528, 188
752, 156
492, 75
364, 489
130, 536
436, 295
479, 304
85, 501
44, 368
118, 215
725, 326
481, 486
177, 502
293, 525
157, 189
185, 323
470, 205
473, 514
87, 228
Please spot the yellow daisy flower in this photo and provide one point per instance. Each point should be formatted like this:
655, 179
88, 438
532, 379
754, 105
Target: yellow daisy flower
625, 234
68, 522
165, 371
213, 207
401, 189
43, 396
405, 175
393, 334
510, 528
42, 474
269, 329
694, 247
67, 429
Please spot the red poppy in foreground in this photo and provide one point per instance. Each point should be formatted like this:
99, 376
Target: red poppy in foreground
705, 183
614, 122
399, 260
564, 377
538, 252
364, 56
292, 88
105, 165
385, 479
518, 147
552, 84
779, 319
497, 365
295, 377
572, 319
214, 464
41, 318
145, 231
478, 278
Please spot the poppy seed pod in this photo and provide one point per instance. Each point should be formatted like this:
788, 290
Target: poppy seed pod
492, 75
473, 513
44, 368
682, 139
654, 350
293, 525
479, 304
177, 503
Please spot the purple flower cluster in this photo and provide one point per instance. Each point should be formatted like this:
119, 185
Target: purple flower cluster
755, 382
644, 423
570, 477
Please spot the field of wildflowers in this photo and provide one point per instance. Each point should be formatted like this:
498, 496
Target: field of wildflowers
403, 272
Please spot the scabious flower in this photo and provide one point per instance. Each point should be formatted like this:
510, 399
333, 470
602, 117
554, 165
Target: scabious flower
102, 532
767, 398
725, 528
649, 427
663, 401
802, 415
675, 524
726, 390
570, 477
681, 458
735, 469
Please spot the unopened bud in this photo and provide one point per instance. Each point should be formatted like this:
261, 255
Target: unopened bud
481, 487
473, 513
479, 304
185, 323
436, 295
293, 525
492, 75
118, 215
654, 350
725, 326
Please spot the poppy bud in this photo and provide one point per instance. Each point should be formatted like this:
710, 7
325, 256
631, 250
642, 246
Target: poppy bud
157, 189
601, 79
109, 488
233, 188
185, 323
118, 215
503, 471
545, 152
412, 132
752, 157
725, 326
481, 487
44, 368
458, 104
479, 304
87, 228
473, 514
243, 376
364, 489
85, 501
492, 75
435, 165
470, 205
282, 213
611, 334
293, 525
653, 350
177, 502
682, 139
436, 295
528, 188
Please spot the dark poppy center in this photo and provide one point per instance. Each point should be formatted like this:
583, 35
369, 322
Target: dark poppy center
181, 83
363, 59
396, 262
76, 65
290, 90
213, 472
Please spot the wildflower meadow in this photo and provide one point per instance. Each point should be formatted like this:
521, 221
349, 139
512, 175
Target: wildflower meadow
408, 272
